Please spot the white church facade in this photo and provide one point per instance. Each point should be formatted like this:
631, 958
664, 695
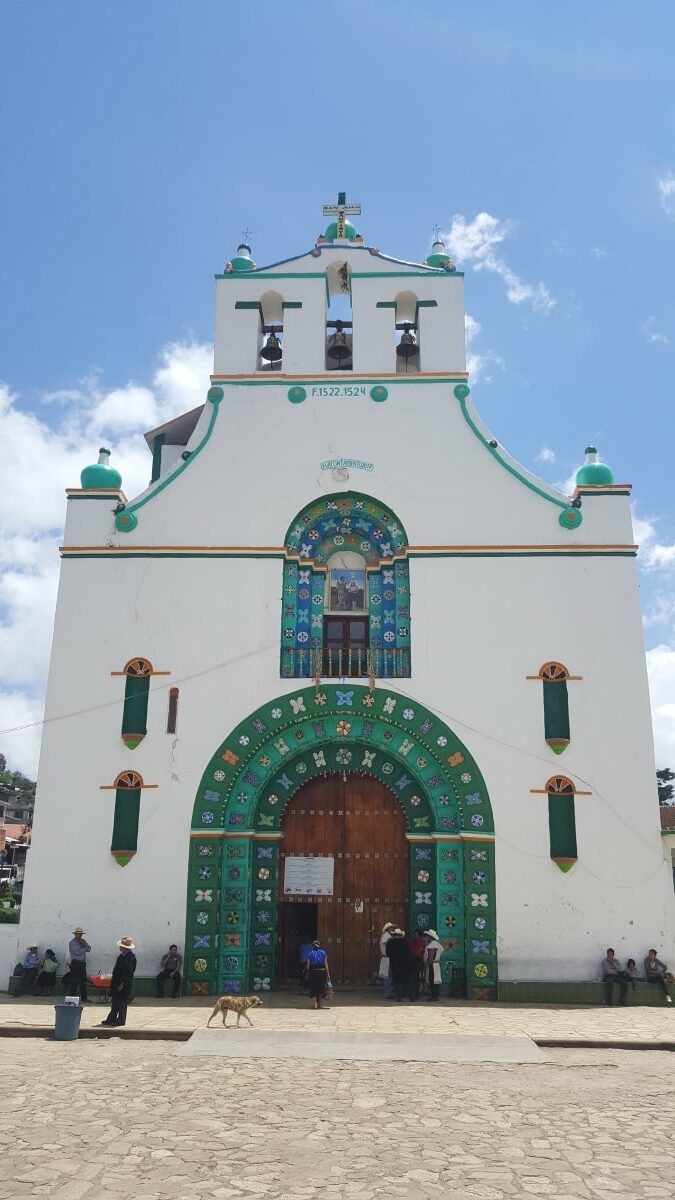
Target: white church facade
346, 661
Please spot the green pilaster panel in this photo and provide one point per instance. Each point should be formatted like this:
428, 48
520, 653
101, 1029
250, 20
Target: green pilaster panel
479, 894
422, 886
375, 618
450, 905
200, 960
289, 614
263, 928
235, 884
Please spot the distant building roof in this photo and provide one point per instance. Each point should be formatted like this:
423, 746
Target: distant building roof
667, 812
15, 831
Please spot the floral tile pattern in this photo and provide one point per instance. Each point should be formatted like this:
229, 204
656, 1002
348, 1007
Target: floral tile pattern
283, 745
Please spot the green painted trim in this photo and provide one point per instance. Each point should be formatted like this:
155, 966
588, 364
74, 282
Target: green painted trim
430, 273
562, 553
329, 377
597, 491
157, 443
98, 496
272, 275
213, 396
386, 304
249, 304
507, 466
291, 304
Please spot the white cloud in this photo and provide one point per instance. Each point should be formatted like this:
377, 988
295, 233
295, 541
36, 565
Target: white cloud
658, 558
597, 252
654, 555
545, 455
661, 672
666, 188
475, 242
478, 362
47, 457
653, 336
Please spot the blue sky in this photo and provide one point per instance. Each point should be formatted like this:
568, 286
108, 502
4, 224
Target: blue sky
138, 140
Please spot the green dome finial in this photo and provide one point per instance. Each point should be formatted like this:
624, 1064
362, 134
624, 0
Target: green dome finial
100, 475
341, 229
439, 256
593, 473
242, 260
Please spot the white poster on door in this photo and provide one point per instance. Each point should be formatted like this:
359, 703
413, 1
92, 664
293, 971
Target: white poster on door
308, 876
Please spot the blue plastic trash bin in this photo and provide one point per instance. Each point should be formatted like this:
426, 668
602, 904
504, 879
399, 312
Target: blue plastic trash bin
67, 1024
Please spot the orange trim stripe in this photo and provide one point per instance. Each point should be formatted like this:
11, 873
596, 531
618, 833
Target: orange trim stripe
111, 787
410, 549
334, 377
546, 792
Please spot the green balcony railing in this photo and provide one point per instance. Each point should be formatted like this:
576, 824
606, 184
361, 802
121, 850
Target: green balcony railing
345, 662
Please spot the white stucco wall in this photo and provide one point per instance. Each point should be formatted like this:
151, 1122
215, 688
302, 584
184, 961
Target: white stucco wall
550, 925
479, 626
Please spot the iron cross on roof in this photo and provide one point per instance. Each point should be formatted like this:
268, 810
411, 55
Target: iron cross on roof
340, 210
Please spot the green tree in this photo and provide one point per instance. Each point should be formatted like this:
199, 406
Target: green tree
665, 786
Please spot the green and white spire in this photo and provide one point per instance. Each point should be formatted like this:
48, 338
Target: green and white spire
100, 475
593, 473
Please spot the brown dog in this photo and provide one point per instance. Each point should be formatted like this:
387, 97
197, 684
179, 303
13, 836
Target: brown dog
236, 1004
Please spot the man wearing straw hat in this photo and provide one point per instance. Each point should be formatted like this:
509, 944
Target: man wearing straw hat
384, 971
120, 984
432, 959
78, 950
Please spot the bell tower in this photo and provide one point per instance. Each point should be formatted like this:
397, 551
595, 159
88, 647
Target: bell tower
344, 306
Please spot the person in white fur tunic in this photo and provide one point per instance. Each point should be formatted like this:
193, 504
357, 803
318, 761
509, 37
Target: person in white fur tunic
432, 959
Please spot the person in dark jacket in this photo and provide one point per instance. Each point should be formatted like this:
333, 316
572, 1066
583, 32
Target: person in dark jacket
120, 984
398, 953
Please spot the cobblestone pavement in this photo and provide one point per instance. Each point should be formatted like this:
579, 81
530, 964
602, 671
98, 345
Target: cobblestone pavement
352, 1012
109, 1120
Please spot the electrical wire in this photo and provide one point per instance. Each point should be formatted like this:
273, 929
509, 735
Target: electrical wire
453, 721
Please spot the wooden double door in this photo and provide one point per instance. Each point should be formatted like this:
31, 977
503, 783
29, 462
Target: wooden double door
359, 824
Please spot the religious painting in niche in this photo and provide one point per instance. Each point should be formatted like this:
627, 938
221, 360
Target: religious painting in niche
347, 590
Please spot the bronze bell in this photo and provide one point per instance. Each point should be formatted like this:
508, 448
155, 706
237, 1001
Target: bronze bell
407, 346
337, 344
272, 348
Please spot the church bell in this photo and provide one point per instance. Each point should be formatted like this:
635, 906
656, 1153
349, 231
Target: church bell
272, 348
338, 347
407, 346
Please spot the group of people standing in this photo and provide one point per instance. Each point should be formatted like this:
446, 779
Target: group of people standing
407, 965
39, 973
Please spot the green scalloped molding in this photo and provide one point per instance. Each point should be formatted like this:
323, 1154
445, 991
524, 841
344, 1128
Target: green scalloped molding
573, 521
127, 520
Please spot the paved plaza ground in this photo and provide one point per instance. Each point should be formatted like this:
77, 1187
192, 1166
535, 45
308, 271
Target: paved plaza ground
113, 1119
357, 1011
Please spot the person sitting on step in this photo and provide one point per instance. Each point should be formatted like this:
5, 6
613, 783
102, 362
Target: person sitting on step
170, 965
613, 975
656, 972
